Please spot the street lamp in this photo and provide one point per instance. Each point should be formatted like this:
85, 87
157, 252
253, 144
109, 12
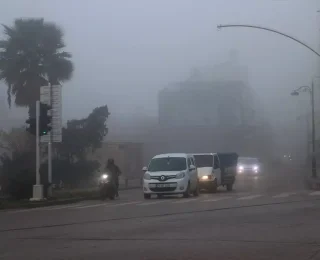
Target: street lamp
311, 92
221, 26
296, 92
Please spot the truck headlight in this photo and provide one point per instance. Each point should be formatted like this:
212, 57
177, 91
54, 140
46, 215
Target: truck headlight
180, 175
206, 177
146, 176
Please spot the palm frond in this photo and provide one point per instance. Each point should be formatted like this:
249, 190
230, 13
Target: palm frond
32, 53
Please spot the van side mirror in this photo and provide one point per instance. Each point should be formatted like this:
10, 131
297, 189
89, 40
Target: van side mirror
192, 167
145, 168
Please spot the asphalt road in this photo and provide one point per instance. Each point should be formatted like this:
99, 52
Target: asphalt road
266, 218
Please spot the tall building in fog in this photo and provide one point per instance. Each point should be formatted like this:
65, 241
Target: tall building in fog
217, 96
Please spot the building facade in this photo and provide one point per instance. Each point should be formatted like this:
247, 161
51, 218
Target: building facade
203, 103
215, 96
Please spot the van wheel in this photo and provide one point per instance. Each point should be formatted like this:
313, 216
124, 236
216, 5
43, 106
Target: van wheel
186, 194
196, 191
229, 187
147, 196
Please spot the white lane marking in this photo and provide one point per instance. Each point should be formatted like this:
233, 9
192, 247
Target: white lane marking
22, 210
91, 206
184, 201
43, 208
152, 203
64, 207
216, 199
125, 203
284, 195
106, 205
314, 193
249, 197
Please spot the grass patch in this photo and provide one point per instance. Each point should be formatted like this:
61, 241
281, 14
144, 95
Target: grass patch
76, 193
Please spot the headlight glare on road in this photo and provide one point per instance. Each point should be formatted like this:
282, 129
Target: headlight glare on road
180, 175
146, 176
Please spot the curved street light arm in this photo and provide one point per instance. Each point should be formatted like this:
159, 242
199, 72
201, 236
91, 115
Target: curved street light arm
303, 89
270, 30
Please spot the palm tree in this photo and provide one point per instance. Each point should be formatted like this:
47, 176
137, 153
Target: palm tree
31, 56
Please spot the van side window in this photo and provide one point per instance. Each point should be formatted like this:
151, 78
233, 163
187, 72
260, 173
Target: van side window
216, 164
193, 162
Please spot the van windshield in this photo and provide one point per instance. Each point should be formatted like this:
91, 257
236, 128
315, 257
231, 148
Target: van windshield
249, 161
204, 160
168, 164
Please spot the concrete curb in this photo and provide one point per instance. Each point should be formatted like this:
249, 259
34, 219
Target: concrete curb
45, 203
6, 205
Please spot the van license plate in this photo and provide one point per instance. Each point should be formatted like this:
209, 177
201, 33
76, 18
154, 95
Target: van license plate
163, 185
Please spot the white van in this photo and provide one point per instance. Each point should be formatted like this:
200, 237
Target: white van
216, 169
168, 174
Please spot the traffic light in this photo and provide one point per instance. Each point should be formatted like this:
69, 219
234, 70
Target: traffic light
32, 125
45, 119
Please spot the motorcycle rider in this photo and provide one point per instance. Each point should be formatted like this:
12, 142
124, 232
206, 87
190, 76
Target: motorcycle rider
115, 172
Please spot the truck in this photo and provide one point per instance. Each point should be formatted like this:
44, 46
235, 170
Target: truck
216, 169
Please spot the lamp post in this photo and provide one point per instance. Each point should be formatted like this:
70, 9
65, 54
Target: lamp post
296, 92
311, 92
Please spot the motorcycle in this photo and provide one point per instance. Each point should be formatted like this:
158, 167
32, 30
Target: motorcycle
107, 187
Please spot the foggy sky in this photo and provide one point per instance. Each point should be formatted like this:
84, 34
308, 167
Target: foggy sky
125, 51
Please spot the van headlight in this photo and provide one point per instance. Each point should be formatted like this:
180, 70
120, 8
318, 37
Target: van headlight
255, 167
180, 175
104, 176
146, 176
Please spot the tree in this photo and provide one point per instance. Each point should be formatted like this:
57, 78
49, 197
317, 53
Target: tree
81, 136
17, 163
78, 139
16, 140
31, 56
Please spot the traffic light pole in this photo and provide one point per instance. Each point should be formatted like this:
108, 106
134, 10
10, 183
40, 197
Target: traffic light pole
50, 152
38, 188
37, 143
